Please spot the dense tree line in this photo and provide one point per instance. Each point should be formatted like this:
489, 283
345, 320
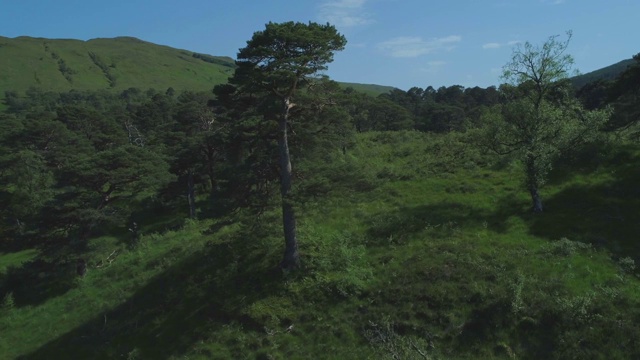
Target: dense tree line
446, 109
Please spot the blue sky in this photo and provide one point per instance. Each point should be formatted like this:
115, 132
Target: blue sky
400, 43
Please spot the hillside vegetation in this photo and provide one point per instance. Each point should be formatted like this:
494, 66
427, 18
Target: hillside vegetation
607, 73
119, 64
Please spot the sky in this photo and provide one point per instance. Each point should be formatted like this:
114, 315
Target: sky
400, 43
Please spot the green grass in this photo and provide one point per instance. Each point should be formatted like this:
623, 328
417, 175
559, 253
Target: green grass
14, 259
118, 64
427, 246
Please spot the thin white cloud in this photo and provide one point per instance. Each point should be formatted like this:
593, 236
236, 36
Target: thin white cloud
491, 46
495, 45
553, 2
345, 13
433, 66
413, 46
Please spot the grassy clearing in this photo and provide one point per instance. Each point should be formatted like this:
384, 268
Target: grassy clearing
435, 254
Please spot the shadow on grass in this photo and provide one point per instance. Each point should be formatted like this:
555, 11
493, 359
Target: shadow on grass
441, 219
605, 215
588, 160
37, 281
395, 226
53, 272
182, 305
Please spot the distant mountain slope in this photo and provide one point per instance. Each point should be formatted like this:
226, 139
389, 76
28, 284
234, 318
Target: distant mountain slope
606, 73
370, 89
113, 64
117, 63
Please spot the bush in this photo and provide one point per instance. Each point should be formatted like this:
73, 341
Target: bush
565, 247
335, 263
627, 265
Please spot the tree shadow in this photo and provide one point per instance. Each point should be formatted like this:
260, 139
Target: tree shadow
37, 281
506, 207
54, 271
182, 305
605, 215
442, 218
588, 160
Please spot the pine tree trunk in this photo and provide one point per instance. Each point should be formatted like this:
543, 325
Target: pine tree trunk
81, 267
291, 258
533, 184
191, 195
536, 200
211, 173
84, 233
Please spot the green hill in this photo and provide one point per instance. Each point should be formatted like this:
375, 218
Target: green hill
119, 63
371, 89
113, 64
606, 73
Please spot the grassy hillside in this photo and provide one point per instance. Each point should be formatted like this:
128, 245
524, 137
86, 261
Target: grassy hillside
113, 64
422, 248
606, 73
371, 89
118, 64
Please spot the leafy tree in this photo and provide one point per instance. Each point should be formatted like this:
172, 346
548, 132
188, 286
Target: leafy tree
98, 188
443, 118
541, 122
452, 95
593, 95
277, 63
100, 130
357, 106
388, 116
26, 179
68, 166
29, 187
197, 144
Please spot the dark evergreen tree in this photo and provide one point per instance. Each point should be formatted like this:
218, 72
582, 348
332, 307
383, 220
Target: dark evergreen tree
276, 65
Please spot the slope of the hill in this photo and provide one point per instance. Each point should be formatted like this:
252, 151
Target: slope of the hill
118, 63
606, 73
370, 89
